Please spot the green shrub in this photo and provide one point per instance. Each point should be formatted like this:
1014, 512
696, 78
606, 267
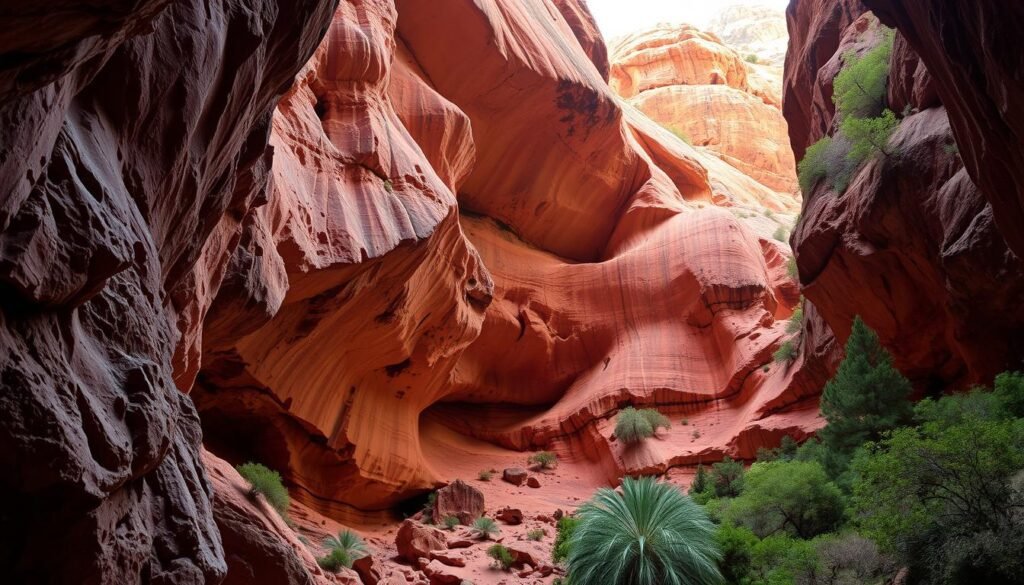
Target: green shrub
503, 557
485, 475
786, 353
752, 58
860, 87
536, 534
737, 544
685, 422
450, 522
484, 528
791, 268
632, 427
813, 167
544, 459
869, 136
796, 320
701, 482
656, 419
781, 234
727, 478
265, 481
388, 186
343, 550
649, 534
563, 538
335, 561
794, 497
428, 508
695, 434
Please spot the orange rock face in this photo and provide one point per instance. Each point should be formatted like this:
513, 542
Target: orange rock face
583, 265
703, 91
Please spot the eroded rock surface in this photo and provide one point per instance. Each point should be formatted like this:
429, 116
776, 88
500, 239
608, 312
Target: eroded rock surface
913, 245
131, 131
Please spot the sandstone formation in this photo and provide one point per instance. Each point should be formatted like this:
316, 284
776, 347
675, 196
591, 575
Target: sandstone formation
753, 30
460, 500
447, 258
132, 132
913, 235
702, 90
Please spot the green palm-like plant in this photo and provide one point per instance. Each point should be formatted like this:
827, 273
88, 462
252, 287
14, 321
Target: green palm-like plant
649, 534
349, 542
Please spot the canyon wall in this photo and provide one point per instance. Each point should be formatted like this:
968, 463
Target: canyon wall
472, 237
917, 245
129, 133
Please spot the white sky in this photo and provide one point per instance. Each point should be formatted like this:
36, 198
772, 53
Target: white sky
619, 17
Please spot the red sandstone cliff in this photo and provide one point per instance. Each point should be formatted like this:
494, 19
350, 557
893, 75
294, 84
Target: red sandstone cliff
918, 244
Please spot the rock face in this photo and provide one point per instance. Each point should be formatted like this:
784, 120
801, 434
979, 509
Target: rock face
753, 30
131, 133
415, 541
913, 237
704, 91
968, 48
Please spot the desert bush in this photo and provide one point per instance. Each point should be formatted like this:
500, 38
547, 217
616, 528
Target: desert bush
267, 482
796, 320
544, 459
869, 136
484, 528
649, 534
781, 234
343, 550
791, 268
450, 522
485, 475
632, 427
656, 419
536, 534
752, 58
429, 507
502, 556
786, 353
860, 87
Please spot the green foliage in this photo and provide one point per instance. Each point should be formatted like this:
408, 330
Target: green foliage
782, 560
791, 268
563, 538
701, 482
536, 534
544, 459
796, 321
827, 159
656, 419
859, 89
334, 561
349, 543
388, 186
265, 481
651, 533
752, 58
450, 522
727, 478
502, 556
428, 508
792, 497
1009, 390
951, 148
813, 167
343, 550
485, 528
786, 451
485, 475
866, 397
786, 353
632, 427
947, 496
781, 234
737, 544
869, 136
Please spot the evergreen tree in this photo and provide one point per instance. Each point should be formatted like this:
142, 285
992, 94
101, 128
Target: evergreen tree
700, 481
866, 397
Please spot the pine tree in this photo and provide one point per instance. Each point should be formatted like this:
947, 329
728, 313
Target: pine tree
866, 397
700, 481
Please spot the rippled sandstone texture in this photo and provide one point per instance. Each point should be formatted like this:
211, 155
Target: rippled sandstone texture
691, 83
913, 246
468, 239
130, 132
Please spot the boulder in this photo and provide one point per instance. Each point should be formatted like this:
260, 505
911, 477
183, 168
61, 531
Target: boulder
415, 540
533, 482
440, 574
514, 475
511, 516
460, 500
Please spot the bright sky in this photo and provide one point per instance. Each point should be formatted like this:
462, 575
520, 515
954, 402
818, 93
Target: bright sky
619, 17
